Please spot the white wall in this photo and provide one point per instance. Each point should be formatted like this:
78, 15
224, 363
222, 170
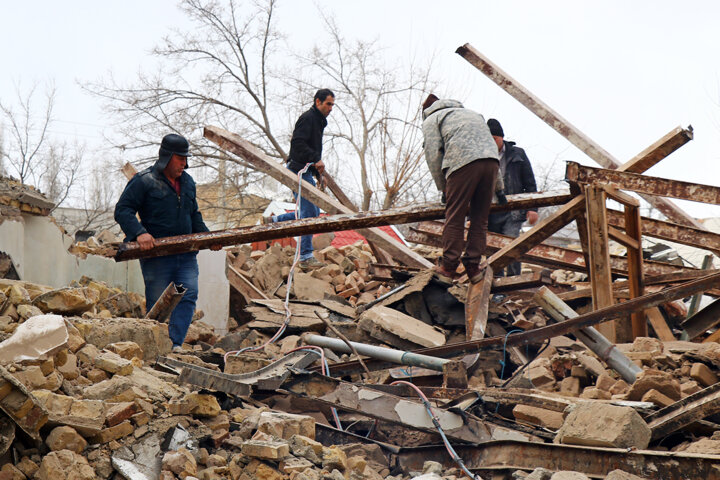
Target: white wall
39, 251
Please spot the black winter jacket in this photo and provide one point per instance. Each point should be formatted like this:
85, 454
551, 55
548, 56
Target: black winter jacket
518, 178
163, 213
306, 143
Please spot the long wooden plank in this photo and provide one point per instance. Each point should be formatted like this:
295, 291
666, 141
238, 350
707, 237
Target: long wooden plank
635, 267
656, 319
476, 307
635, 182
254, 156
563, 127
703, 320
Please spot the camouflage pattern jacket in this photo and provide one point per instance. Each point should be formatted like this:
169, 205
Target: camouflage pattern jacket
454, 137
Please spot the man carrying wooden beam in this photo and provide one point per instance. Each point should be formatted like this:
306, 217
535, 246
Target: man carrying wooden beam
306, 156
463, 160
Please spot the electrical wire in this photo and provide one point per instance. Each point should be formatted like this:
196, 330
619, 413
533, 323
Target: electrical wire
453, 454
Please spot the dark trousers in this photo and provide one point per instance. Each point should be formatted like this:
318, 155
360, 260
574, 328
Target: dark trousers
504, 224
182, 269
468, 192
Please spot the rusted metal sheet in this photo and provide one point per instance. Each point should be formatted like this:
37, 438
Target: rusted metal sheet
694, 407
538, 335
652, 155
564, 128
255, 157
545, 255
167, 302
411, 414
574, 172
501, 459
702, 321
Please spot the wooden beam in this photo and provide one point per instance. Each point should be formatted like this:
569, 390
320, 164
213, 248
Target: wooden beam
522, 281
565, 128
254, 156
635, 267
620, 196
659, 325
652, 155
635, 182
476, 307
600, 273
622, 238
542, 230
702, 321
695, 301
243, 285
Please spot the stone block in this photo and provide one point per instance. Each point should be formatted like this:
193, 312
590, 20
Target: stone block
180, 462
68, 301
657, 398
204, 405
95, 375
127, 350
28, 311
65, 438
568, 475
703, 375
116, 389
538, 416
65, 464
265, 450
595, 393
285, 425
69, 370
152, 337
113, 363
647, 344
650, 379
622, 475
32, 377
119, 412
10, 472
690, 387
620, 387
109, 434
86, 355
604, 425
27, 467
605, 382
570, 386
294, 464
396, 328
140, 419
306, 287
334, 458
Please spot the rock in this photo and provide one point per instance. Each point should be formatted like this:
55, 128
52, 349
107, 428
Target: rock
688, 388
65, 438
703, 375
305, 287
96, 375
9, 472
704, 446
32, 377
568, 386
306, 448
266, 274
116, 389
267, 450
605, 382
657, 398
604, 425
85, 416
293, 464
649, 379
152, 337
595, 393
647, 344
539, 474
540, 375
180, 462
28, 311
109, 434
120, 412
432, 467
18, 295
126, 350
64, 465
398, 329
566, 475
334, 458
69, 370
203, 405
619, 388
113, 363
27, 467
67, 300
538, 416
285, 425
622, 475
86, 355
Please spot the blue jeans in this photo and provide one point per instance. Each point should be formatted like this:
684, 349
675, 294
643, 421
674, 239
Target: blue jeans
182, 269
307, 210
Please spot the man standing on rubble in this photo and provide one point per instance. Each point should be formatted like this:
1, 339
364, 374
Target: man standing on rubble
518, 177
463, 161
306, 148
164, 197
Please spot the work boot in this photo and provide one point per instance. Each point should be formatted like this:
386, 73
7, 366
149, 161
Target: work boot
311, 263
475, 272
444, 274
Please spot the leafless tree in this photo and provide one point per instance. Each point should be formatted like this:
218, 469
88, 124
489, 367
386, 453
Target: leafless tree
31, 153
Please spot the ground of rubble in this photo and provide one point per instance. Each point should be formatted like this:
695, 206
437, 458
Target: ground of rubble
110, 414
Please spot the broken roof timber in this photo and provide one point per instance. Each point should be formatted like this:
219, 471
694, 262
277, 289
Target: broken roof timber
635, 182
255, 157
570, 132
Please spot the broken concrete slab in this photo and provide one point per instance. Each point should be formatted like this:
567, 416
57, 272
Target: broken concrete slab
285, 425
152, 337
400, 330
36, 338
604, 425
68, 300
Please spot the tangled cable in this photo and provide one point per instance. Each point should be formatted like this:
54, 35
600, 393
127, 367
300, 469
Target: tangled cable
453, 454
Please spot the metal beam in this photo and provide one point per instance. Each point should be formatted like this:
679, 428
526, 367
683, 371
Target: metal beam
635, 182
563, 127
702, 321
652, 155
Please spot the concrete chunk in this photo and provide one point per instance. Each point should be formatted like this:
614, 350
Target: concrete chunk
398, 329
113, 363
646, 380
65, 438
703, 375
538, 416
285, 425
604, 425
265, 450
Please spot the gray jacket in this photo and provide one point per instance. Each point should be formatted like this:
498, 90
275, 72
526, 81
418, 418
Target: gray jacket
454, 137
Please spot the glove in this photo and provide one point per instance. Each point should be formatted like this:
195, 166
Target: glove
502, 199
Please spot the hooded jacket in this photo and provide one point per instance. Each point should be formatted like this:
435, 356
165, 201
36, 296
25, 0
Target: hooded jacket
454, 137
163, 213
306, 142
518, 178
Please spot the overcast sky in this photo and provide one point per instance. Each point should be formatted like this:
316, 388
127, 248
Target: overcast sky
624, 73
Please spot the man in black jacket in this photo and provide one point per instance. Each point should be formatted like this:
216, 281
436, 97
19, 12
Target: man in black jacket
306, 148
518, 176
164, 197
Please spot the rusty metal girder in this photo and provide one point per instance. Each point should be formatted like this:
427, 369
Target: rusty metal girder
652, 155
543, 254
692, 408
400, 411
635, 182
507, 456
167, 302
537, 335
702, 321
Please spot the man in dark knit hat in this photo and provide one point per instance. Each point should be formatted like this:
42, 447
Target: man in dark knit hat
518, 177
164, 197
463, 161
